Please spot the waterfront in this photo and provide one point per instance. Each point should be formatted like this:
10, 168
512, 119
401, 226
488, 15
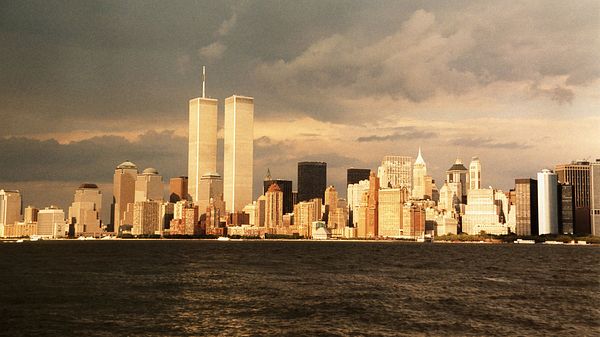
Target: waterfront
190, 287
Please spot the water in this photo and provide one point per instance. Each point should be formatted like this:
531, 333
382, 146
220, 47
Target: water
279, 288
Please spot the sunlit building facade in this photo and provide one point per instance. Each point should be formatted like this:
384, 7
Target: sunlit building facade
239, 152
123, 192
202, 141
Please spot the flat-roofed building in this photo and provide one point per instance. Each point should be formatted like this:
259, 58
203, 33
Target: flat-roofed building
239, 152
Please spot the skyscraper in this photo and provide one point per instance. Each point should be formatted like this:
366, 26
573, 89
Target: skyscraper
312, 180
391, 203
354, 175
84, 212
51, 222
202, 139
372, 225
239, 152
274, 207
123, 192
286, 188
10, 208
458, 173
578, 174
475, 174
595, 197
419, 173
395, 172
148, 186
547, 202
211, 187
526, 205
30, 214
482, 213
566, 208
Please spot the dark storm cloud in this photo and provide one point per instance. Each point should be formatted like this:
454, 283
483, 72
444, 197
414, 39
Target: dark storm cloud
94, 159
402, 133
69, 63
488, 143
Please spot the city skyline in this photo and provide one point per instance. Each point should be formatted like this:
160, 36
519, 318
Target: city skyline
535, 107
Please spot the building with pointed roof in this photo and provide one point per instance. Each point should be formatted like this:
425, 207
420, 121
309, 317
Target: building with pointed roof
419, 177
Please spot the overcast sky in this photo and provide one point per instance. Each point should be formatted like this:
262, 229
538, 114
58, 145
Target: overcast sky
85, 85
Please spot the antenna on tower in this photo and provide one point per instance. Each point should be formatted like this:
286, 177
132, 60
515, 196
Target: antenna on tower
203, 82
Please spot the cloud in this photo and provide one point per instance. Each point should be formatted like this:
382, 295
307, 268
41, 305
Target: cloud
213, 51
437, 54
482, 142
558, 94
227, 25
403, 133
92, 159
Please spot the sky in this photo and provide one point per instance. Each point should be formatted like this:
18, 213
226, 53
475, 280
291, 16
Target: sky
86, 85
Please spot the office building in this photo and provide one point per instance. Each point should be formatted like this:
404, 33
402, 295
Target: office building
413, 221
10, 208
51, 223
185, 219
354, 175
211, 188
239, 152
482, 213
547, 202
372, 225
419, 178
274, 207
312, 180
475, 174
148, 186
123, 192
84, 212
395, 172
286, 189
30, 214
202, 139
595, 197
391, 203
178, 189
354, 196
305, 213
566, 208
526, 205
146, 218
578, 174
458, 173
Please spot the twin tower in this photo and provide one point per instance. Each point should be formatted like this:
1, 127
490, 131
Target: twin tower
203, 179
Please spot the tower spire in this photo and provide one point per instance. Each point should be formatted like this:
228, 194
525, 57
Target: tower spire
203, 81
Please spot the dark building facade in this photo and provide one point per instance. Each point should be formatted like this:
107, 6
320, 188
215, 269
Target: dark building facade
526, 206
286, 188
578, 174
178, 189
354, 175
566, 209
312, 180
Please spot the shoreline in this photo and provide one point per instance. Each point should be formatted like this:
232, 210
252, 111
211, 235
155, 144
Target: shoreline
387, 241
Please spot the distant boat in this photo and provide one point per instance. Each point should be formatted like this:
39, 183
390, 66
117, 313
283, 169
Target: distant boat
20, 241
109, 237
223, 238
35, 238
81, 238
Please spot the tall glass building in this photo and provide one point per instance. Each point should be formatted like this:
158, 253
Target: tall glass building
239, 152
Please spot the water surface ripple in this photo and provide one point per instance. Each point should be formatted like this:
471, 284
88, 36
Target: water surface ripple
258, 288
